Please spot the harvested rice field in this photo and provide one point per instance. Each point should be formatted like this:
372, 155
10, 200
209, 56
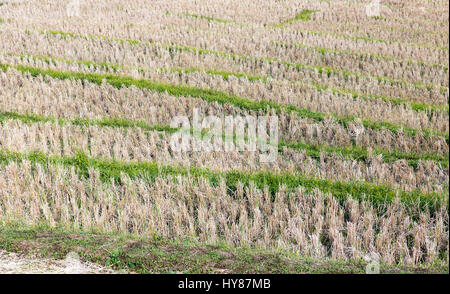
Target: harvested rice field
250, 136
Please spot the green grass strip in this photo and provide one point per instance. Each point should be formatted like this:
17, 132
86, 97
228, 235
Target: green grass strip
210, 95
416, 106
304, 15
321, 69
362, 154
208, 18
103, 122
313, 151
113, 169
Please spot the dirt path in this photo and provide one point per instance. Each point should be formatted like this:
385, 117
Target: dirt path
12, 263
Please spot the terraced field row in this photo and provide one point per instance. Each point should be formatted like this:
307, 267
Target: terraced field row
87, 123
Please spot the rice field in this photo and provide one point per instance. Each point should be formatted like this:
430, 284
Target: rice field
90, 92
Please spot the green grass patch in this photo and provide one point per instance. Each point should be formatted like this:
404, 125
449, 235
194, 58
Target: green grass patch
304, 15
